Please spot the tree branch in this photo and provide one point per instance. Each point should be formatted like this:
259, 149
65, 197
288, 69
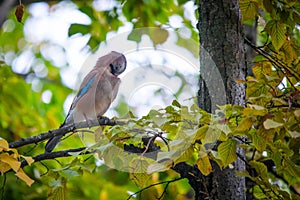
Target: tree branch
63, 130
52, 155
195, 177
56, 154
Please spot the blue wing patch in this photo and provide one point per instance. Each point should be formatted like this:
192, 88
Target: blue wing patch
84, 90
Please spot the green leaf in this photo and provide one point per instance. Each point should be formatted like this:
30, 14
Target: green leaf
211, 136
268, 124
135, 35
277, 32
157, 117
260, 169
93, 43
88, 10
227, 151
138, 172
259, 193
259, 142
176, 104
79, 28
201, 132
186, 155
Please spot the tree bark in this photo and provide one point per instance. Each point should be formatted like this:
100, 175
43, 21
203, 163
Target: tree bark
221, 37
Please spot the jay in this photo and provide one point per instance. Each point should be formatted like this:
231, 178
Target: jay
97, 91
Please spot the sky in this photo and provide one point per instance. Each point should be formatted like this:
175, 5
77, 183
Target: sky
149, 69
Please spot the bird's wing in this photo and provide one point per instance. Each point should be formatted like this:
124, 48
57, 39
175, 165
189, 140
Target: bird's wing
83, 90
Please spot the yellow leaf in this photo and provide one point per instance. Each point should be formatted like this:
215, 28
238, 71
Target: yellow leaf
267, 135
158, 35
28, 159
21, 174
204, 165
245, 124
13, 163
257, 70
3, 144
186, 155
268, 124
103, 195
288, 51
254, 112
15, 153
4, 167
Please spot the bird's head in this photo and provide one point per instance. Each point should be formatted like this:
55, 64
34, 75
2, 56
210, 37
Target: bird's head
118, 63
114, 62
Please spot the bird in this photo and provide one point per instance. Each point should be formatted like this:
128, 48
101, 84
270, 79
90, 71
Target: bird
96, 92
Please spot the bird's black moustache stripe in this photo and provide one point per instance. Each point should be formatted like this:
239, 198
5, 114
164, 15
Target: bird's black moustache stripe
112, 69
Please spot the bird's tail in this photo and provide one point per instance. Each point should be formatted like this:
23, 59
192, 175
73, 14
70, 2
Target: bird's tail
52, 143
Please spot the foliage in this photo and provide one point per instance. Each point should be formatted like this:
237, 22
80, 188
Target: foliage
267, 127
10, 161
142, 14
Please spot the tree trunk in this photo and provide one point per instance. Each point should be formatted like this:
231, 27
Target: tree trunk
221, 37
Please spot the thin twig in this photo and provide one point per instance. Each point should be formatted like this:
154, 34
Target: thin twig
277, 63
56, 154
152, 185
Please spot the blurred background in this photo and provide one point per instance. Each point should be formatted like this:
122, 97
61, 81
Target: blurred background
61, 41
